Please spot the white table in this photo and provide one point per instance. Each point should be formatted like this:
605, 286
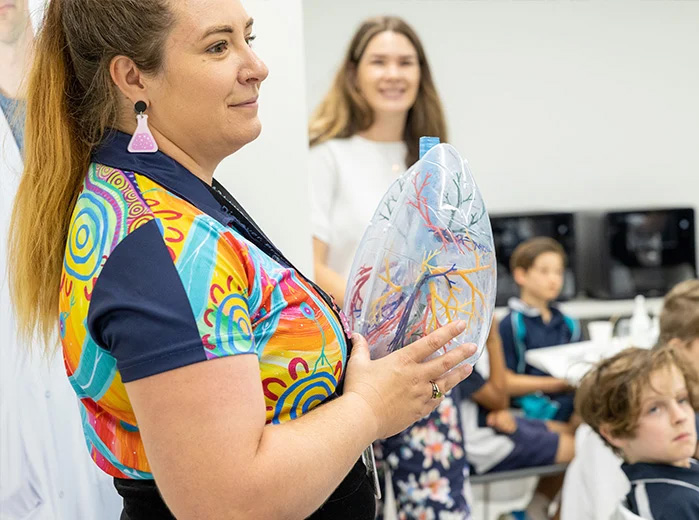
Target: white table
572, 361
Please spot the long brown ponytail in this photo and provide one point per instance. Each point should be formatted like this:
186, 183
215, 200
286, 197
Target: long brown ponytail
71, 100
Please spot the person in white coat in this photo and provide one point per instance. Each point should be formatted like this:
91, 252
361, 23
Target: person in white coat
45, 469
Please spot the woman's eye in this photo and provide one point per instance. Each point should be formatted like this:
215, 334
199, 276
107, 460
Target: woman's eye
652, 409
218, 48
250, 39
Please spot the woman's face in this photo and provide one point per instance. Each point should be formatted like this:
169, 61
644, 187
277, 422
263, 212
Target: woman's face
388, 73
14, 18
205, 98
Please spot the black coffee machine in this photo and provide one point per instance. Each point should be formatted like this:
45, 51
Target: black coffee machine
645, 251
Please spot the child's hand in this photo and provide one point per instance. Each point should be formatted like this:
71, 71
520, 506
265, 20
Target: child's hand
503, 421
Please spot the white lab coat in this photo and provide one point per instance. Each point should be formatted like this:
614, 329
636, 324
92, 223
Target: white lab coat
45, 468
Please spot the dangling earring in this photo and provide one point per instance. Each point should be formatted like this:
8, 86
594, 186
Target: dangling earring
142, 140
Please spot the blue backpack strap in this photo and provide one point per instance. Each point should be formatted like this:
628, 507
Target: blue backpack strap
574, 326
519, 333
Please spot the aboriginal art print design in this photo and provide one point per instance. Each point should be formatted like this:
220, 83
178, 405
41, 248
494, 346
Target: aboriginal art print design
243, 302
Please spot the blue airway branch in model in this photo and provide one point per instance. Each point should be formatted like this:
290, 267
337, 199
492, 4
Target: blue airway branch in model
399, 338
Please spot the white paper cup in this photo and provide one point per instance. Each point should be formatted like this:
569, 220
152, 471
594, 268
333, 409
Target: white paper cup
600, 331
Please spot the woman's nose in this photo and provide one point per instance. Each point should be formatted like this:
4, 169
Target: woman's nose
255, 70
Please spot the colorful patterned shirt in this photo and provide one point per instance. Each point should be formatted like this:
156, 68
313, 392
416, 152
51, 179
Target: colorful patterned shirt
155, 277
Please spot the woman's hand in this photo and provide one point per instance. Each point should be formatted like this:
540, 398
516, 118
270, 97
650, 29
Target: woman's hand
502, 421
398, 388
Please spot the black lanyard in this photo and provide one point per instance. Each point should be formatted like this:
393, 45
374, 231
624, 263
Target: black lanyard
247, 227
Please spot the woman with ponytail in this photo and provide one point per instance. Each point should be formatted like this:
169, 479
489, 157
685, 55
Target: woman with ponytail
215, 380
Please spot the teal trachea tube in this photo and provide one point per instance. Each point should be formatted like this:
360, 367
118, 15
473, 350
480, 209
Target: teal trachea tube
426, 143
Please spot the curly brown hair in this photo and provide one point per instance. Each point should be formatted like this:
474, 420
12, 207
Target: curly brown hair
610, 393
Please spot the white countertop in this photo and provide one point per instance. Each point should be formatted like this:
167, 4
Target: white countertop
589, 308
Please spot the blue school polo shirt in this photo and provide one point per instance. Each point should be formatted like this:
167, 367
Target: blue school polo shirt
663, 492
523, 329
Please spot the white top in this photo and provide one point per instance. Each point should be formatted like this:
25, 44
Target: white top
348, 178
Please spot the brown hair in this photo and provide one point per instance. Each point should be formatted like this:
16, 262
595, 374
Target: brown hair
610, 393
71, 100
526, 253
344, 111
680, 315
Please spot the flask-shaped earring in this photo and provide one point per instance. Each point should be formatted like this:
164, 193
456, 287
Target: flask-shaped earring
142, 140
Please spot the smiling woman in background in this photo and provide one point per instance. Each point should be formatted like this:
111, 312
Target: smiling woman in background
208, 367
363, 135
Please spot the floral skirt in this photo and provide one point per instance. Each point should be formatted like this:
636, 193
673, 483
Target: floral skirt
428, 467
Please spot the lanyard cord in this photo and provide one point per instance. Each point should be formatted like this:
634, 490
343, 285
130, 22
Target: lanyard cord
245, 225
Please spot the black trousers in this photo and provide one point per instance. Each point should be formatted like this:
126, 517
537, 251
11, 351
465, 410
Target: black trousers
352, 500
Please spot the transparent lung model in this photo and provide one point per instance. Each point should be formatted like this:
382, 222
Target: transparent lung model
426, 259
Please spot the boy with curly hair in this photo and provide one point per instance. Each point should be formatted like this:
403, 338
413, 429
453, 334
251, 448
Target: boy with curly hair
643, 404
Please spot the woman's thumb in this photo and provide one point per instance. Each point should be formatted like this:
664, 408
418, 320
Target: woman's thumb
360, 348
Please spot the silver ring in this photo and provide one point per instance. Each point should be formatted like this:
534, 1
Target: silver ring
436, 392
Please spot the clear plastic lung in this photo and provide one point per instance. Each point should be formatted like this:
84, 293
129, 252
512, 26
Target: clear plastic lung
426, 259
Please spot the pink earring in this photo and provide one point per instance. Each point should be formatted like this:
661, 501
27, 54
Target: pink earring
142, 140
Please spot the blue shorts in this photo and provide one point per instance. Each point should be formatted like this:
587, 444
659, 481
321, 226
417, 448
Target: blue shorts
534, 445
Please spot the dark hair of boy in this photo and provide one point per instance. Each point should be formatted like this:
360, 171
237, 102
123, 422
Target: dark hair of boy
610, 393
526, 253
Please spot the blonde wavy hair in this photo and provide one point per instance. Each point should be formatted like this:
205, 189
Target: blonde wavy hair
344, 111
71, 101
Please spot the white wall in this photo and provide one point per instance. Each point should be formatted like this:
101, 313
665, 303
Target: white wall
556, 104
269, 175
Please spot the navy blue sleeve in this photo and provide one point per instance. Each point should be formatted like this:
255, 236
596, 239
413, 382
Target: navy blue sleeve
139, 310
470, 385
508, 342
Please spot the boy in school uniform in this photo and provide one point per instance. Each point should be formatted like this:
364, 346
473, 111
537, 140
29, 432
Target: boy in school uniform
643, 404
537, 266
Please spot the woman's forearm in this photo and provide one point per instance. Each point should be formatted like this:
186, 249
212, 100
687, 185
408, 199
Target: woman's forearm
325, 443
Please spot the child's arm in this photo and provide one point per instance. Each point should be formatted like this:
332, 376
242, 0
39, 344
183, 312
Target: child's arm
523, 384
493, 395
502, 421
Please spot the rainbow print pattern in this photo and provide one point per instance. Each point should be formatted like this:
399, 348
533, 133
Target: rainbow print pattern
242, 302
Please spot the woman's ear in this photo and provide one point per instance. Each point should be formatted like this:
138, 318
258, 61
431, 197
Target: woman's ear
128, 79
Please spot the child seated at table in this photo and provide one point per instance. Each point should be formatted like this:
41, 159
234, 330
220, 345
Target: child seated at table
643, 404
537, 267
497, 440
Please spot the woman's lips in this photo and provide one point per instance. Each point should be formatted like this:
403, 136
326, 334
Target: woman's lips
252, 102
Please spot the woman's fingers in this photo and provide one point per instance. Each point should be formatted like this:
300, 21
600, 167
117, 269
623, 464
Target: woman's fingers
428, 345
435, 368
453, 378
